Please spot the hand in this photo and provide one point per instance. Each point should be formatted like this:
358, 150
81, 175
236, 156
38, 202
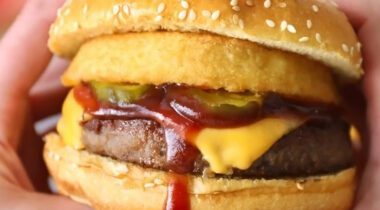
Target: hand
365, 16
23, 57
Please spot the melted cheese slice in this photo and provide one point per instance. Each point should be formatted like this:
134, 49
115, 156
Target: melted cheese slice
69, 125
225, 149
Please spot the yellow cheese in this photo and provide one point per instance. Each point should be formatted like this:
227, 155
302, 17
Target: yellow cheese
225, 149
69, 125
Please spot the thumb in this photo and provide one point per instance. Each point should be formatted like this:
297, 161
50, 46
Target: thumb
23, 57
16, 190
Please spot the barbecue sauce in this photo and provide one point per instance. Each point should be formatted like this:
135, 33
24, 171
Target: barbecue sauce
178, 197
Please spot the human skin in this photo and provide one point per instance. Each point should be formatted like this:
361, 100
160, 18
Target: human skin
365, 17
8, 10
24, 56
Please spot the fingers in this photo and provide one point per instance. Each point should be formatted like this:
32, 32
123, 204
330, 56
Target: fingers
355, 10
359, 11
23, 56
365, 15
36, 201
16, 190
12, 197
51, 77
47, 95
11, 168
23, 51
370, 184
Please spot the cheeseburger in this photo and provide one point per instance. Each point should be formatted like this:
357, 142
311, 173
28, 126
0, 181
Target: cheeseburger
204, 104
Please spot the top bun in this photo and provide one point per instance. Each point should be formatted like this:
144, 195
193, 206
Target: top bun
314, 28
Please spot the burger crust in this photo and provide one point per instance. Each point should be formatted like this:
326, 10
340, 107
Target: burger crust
108, 184
302, 27
200, 60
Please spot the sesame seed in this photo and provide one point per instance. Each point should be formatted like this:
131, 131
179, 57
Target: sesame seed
360, 63
299, 186
236, 8
192, 15
318, 37
282, 4
149, 185
283, 25
85, 9
315, 8
352, 49
241, 24
304, 39
234, 2
66, 12
126, 9
345, 48
119, 169
116, 9
235, 19
184, 4
309, 24
75, 25
182, 15
122, 20
215, 15
249, 3
158, 18
291, 29
270, 23
56, 157
161, 8
267, 3
158, 181
59, 12
55, 29
206, 13
358, 46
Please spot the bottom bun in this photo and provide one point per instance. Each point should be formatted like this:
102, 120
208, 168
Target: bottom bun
104, 183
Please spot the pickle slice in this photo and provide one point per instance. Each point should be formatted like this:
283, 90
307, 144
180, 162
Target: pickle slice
118, 94
215, 108
221, 98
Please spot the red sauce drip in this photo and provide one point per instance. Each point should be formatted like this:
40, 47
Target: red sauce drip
178, 197
83, 94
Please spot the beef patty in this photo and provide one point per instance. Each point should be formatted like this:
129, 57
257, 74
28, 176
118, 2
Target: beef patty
319, 146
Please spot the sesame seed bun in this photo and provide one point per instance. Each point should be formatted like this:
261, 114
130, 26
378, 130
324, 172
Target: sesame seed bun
107, 184
201, 60
302, 27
